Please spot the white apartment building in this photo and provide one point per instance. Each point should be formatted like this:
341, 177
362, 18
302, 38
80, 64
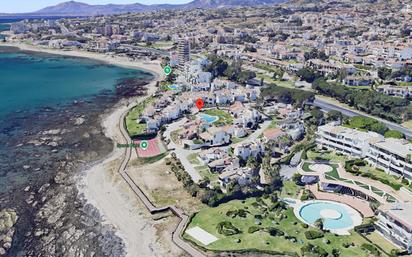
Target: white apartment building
345, 140
389, 154
393, 156
395, 223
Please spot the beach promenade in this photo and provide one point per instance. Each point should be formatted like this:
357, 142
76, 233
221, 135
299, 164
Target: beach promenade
184, 218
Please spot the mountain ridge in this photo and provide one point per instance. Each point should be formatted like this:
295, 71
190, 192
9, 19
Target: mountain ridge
75, 8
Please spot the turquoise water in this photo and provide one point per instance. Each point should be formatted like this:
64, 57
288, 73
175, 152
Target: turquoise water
209, 118
31, 80
173, 87
3, 27
311, 212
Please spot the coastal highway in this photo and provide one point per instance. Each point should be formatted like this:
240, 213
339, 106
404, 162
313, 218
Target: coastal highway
327, 106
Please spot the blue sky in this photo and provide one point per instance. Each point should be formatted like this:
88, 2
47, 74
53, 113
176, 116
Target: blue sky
18, 6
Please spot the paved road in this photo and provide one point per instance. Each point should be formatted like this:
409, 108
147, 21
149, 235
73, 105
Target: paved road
184, 219
181, 153
327, 106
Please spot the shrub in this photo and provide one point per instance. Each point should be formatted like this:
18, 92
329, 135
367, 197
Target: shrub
275, 232
313, 250
313, 234
226, 228
306, 195
371, 249
365, 228
241, 213
253, 229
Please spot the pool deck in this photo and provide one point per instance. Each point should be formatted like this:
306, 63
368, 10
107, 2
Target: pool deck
352, 212
361, 205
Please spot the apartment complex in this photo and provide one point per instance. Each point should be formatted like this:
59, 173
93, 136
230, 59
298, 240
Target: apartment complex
183, 51
389, 154
395, 223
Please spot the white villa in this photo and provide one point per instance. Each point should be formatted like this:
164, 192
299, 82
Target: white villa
245, 150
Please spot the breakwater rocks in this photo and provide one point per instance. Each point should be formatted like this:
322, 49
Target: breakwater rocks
41, 154
8, 219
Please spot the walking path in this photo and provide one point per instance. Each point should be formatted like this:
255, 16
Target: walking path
181, 153
184, 219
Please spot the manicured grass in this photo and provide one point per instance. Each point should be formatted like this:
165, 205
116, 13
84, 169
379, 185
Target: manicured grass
306, 168
133, 127
208, 219
290, 189
377, 239
328, 155
224, 117
205, 172
334, 173
362, 185
390, 199
380, 174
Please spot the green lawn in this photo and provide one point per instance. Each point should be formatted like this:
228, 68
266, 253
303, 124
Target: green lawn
381, 174
273, 123
404, 84
377, 191
192, 158
208, 218
306, 168
377, 239
205, 172
327, 155
290, 189
134, 128
224, 117
236, 140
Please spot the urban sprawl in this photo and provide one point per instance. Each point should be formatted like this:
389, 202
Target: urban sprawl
306, 108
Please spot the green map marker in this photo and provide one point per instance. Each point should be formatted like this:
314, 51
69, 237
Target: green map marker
167, 70
144, 145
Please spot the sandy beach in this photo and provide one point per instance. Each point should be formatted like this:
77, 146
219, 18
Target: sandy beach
149, 66
101, 185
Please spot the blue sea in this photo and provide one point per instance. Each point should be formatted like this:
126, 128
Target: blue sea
31, 80
42, 97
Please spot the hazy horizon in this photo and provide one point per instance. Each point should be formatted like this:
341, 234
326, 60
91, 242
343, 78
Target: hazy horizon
23, 6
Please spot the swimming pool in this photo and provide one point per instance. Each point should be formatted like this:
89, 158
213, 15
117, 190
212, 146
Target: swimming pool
337, 217
173, 87
208, 118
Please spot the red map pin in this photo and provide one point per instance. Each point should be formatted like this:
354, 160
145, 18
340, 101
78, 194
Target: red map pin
200, 103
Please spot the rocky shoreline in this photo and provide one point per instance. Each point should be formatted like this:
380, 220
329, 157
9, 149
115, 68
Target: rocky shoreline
43, 152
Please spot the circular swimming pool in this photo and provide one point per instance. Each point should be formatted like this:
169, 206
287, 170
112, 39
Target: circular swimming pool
337, 217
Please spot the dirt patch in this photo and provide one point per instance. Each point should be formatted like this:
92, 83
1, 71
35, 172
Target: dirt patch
162, 187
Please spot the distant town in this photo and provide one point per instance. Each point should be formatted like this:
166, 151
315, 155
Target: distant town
301, 145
